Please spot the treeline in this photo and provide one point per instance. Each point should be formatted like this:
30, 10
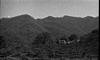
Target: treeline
46, 45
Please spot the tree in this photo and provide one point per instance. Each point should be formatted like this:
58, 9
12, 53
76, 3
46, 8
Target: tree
3, 47
90, 42
73, 37
2, 42
43, 42
41, 38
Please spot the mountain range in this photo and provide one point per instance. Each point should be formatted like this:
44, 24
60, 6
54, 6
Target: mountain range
26, 27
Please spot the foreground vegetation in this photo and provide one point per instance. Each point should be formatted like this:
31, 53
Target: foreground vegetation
45, 46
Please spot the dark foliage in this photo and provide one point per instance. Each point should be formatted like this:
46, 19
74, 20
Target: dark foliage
2, 42
91, 42
73, 37
41, 38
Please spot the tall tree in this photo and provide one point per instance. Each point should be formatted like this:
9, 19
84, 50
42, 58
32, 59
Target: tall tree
2, 42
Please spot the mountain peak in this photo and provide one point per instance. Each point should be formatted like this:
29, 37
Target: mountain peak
25, 16
49, 17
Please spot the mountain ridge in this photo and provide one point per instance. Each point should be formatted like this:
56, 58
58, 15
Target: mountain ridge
27, 15
56, 25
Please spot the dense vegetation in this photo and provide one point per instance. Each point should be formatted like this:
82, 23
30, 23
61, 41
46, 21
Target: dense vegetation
88, 45
45, 46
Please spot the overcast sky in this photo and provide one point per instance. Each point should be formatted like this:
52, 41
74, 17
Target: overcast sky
43, 8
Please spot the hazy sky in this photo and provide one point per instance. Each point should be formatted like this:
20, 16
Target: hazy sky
43, 8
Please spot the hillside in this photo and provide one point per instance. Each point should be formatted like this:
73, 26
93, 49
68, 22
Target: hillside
69, 25
22, 34
27, 26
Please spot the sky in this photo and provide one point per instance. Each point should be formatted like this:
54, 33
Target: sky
44, 8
